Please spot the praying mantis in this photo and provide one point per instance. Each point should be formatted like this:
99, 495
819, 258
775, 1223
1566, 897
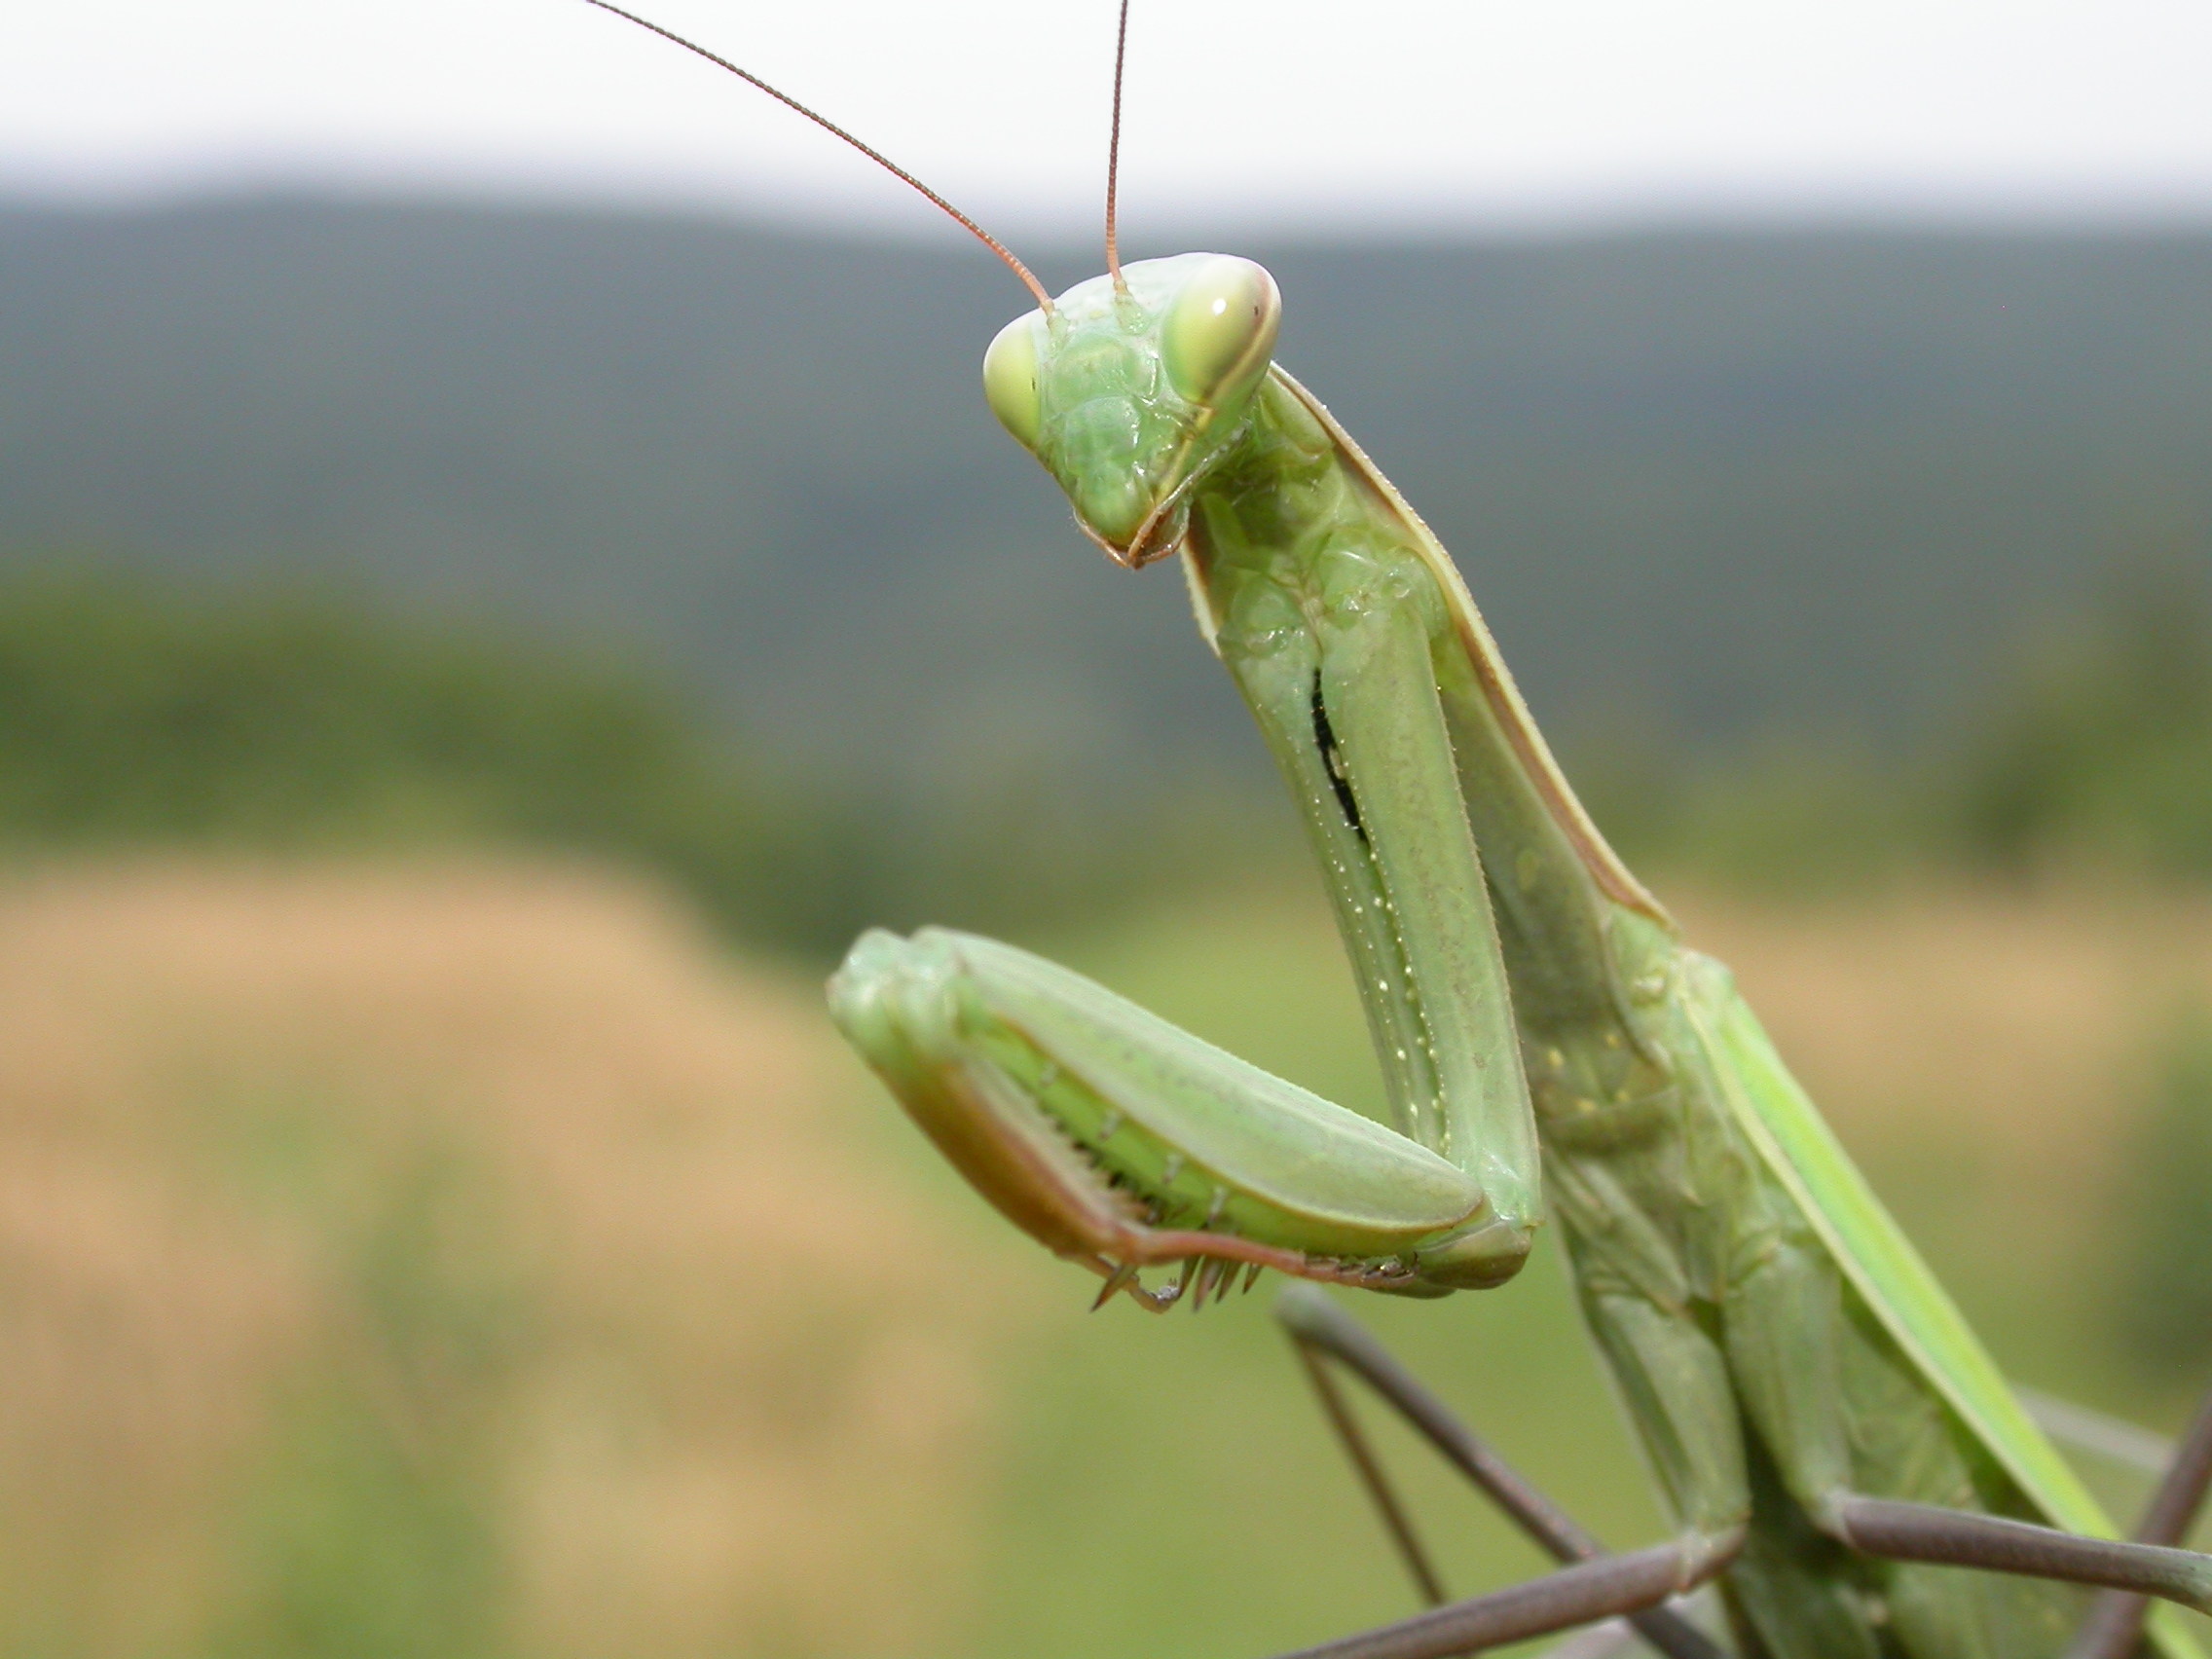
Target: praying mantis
1845, 1466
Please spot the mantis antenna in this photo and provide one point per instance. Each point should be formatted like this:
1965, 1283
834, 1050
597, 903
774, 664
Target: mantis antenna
1029, 280
1113, 155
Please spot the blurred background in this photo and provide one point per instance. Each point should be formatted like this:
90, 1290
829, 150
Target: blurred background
505, 568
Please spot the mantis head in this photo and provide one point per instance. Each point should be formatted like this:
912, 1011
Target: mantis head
1131, 391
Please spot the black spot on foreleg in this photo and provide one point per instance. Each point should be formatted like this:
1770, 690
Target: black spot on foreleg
1333, 761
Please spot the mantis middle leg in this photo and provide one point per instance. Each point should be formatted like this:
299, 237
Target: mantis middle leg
1825, 1396
2115, 1625
1322, 1331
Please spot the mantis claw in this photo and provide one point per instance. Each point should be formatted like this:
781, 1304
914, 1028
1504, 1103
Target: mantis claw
1214, 1275
1123, 1277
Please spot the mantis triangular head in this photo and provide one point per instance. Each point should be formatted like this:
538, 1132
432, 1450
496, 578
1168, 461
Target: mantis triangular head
1129, 390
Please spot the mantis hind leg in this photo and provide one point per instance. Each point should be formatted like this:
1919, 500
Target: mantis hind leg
1615, 1639
1566, 1599
1838, 1417
1323, 1334
2115, 1625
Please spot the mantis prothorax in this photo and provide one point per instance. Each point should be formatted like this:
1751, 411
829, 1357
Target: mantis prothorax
1831, 1439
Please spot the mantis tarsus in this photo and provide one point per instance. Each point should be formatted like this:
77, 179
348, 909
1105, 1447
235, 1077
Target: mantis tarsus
1830, 1438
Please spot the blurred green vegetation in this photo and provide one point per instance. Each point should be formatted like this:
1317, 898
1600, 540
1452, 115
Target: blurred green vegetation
368, 1528
2101, 747
2088, 748
2166, 1310
134, 711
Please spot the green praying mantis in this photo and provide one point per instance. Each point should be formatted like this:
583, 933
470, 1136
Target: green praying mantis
1845, 1466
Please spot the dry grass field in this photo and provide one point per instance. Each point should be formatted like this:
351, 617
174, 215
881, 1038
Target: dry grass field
453, 1261
473, 1259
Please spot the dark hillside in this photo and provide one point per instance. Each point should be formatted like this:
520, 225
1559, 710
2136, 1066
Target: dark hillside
1705, 484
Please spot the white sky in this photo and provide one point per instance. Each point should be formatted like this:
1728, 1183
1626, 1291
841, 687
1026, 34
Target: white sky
1269, 113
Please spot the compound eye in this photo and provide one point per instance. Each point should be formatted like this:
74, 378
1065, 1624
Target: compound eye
1221, 332
1010, 379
